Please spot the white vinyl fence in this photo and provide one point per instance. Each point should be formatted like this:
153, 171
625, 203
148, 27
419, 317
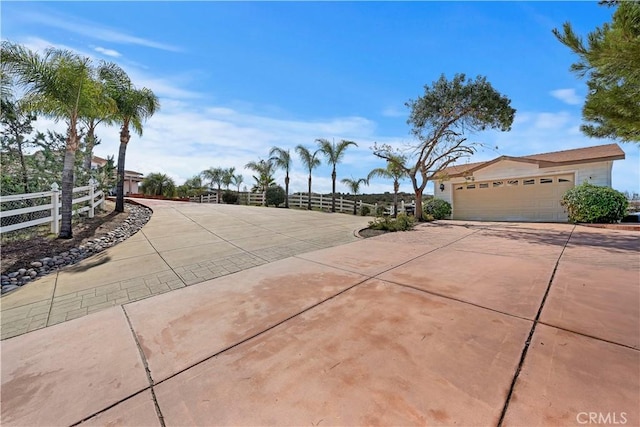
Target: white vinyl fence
318, 201
20, 211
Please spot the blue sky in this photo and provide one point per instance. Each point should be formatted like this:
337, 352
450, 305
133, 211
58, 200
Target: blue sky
236, 78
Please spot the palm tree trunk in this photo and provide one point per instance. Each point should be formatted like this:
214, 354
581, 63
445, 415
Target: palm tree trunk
218, 195
66, 231
309, 198
355, 204
122, 152
333, 189
286, 191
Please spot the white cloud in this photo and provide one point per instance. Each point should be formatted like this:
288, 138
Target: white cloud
568, 96
162, 86
551, 121
107, 52
93, 30
394, 111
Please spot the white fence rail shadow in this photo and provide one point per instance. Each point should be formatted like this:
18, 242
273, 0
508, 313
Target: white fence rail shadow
299, 200
44, 207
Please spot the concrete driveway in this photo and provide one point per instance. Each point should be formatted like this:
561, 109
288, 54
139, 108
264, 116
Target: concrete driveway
451, 324
182, 244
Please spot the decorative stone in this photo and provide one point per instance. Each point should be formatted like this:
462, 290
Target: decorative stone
138, 216
7, 288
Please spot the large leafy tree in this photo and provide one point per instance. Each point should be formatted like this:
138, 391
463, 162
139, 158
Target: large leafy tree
354, 187
16, 127
441, 121
58, 84
310, 161
134, 106
610, 59
392, 171
282, 160
333, 153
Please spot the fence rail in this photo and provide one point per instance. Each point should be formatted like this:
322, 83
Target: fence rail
299, 200
44, 207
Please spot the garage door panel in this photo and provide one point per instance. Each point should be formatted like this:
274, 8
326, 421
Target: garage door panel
511, 200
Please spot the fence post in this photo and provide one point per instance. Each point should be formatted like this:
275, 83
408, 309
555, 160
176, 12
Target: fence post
92, 189
55, 224
321, 204
341, 207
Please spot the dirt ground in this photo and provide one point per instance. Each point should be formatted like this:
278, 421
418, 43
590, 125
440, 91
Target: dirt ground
21, 253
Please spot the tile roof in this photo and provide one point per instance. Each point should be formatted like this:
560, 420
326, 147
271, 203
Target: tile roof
566, 157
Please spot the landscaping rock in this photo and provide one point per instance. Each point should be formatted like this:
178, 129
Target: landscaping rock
138, 217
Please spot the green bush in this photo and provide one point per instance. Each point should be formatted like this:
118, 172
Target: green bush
591, 203
380, 211
365, 210
229, 197
275, 195
401, 223
437, 208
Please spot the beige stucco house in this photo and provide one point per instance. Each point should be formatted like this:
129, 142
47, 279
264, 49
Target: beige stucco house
527, 188
132, 179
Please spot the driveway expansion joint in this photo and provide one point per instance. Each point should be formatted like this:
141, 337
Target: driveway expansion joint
146, 368
527, 343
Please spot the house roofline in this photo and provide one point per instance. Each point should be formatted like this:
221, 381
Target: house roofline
540, 162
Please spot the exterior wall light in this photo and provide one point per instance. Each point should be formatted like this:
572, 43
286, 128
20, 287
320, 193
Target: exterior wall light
441, 187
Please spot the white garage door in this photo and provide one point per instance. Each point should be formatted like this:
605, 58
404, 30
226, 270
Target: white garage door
522, 199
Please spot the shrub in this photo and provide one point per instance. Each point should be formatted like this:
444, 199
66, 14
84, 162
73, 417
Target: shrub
229, 197
437, 208
401, 223
275, 195
591, 203
380, 210
365, 210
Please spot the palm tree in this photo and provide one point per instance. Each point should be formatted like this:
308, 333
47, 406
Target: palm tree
334, 153
227, 176
237, 181
57, 84
310, 161
214, 176
158, 184
282, 160
191, 187
264, 169
392, 171
103, 111
354, 187
134, 106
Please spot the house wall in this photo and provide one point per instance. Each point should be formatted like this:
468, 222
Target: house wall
597, 173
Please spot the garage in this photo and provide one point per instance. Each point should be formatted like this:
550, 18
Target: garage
525, 188
519, 199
